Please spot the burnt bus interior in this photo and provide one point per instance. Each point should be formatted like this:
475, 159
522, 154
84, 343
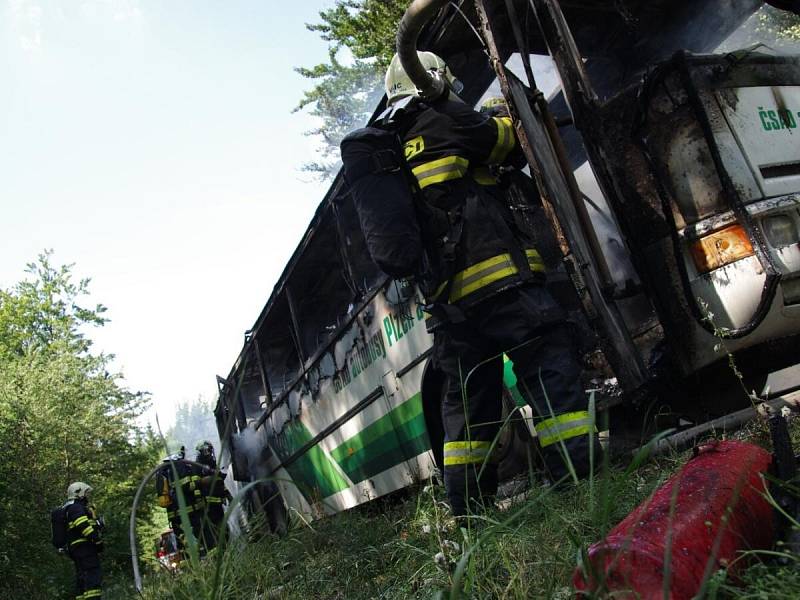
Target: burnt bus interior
330, 275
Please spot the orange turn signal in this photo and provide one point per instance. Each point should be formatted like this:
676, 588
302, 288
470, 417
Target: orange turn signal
721, 248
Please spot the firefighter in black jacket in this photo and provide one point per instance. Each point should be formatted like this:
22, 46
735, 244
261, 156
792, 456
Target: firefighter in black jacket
215, 494
84, 543
177, 474
484, 284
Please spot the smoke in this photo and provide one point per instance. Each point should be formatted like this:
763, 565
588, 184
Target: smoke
250, 446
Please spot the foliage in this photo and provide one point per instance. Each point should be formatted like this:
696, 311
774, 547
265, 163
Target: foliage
63, 417
783, 24
346, 92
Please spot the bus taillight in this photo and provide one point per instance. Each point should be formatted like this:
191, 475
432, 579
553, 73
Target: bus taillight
721, 248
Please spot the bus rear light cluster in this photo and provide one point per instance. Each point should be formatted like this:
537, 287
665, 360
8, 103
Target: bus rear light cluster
721, 248
780, 230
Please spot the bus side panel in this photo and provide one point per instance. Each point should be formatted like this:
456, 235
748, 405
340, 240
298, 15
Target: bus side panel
353, 430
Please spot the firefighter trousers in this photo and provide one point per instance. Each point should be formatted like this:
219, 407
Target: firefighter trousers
88, 574
527, 325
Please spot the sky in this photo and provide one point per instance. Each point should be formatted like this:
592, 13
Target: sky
152, 144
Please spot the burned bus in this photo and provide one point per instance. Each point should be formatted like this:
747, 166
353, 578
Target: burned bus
670, 179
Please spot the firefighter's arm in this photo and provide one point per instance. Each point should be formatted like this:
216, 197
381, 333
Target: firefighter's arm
486, 140
505, 149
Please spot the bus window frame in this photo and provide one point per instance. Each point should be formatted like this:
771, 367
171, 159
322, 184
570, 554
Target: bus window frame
325, 347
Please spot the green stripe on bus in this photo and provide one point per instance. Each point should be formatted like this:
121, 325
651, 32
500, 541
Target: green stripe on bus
314, 473
395, 437
400, 415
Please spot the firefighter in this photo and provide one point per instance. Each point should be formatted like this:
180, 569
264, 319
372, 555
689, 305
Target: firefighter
215, 494
484, 285
84, 541
177, 474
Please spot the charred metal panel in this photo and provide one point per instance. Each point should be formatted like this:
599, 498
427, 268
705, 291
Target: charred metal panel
676, 180
556, 181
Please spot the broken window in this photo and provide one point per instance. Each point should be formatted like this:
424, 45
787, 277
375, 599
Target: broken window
321, 292
279, 352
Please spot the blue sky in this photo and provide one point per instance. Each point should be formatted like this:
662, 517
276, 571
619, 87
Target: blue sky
152, 144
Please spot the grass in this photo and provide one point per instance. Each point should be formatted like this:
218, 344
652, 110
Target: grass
410, 547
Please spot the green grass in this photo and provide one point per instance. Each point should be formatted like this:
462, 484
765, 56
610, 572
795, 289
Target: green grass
412, 548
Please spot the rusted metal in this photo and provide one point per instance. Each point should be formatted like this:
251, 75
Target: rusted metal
494, 55
556, 181
522, 43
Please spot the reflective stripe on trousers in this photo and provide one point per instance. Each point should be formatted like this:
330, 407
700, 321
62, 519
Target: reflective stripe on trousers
563, 427
466, 453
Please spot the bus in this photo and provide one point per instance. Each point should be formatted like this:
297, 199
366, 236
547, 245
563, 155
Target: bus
670, 179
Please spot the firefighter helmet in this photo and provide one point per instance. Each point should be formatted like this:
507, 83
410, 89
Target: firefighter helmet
495, 106
399, 84
205, 454
78, 490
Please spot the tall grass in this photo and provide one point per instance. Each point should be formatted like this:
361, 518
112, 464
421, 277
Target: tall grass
401, 547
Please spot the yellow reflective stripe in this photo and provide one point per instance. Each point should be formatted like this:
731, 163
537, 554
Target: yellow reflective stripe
213, 499
485, 272
78, 521
466, 445
464, 453
442, 169
87, 530
78, 541
563, 427
488, 271
505, 140
95, 593
480, 275
483, 176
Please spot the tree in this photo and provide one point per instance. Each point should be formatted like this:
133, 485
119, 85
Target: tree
346, 92
63, 417
194, 423
782, 23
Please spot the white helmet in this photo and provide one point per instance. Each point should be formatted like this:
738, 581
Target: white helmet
398, 83
78, 490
